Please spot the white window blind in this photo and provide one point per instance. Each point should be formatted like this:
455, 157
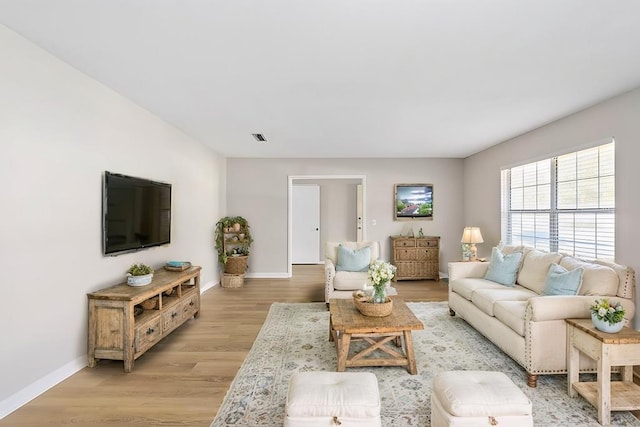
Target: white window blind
564, 203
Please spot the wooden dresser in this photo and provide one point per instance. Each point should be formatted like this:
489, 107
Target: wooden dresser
416, 257
125, 321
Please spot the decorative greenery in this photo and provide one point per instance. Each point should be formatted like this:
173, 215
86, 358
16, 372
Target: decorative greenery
242, 244
139, 270
604, 310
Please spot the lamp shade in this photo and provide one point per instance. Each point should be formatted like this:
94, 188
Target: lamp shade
472, 235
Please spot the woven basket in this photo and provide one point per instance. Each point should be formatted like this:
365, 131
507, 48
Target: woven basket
232, 280
236, 264
367, 308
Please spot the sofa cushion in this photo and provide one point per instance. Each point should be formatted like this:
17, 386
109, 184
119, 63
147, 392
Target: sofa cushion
626, 278
596, 279
535, 267
511, 313
503, 269
485, 298
560, 281
349, 280
353, 259
465, 287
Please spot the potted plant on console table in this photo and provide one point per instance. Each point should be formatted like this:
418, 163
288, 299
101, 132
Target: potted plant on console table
233, 240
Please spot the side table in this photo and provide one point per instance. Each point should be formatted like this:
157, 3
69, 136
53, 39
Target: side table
619, 349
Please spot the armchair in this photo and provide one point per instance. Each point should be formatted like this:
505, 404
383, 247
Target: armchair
342, 283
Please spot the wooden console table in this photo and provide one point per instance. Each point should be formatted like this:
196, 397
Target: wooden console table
346, 324
619, 349
416, 257
125, 321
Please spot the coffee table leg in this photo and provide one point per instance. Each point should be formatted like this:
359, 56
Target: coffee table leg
411, 359
330, 330
344, 340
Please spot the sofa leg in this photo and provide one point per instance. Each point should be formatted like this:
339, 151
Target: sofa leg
532, 380
451, 312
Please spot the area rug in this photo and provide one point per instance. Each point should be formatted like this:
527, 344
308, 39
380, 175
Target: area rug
294, 338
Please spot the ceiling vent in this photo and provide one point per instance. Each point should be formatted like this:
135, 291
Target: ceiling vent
259, 137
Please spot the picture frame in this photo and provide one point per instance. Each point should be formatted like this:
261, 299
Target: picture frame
413, 202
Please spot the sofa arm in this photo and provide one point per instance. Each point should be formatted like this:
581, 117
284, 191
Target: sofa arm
459, 270
561, 307
329, 275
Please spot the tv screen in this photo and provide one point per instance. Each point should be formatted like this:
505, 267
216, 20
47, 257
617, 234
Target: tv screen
136, 213
413, 201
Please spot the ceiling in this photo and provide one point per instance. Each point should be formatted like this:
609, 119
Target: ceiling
346, 78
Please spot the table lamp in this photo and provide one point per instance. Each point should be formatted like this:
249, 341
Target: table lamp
471, 236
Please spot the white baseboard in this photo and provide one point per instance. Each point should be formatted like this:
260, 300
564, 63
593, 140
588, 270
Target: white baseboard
35, 389
267, 276
208, 286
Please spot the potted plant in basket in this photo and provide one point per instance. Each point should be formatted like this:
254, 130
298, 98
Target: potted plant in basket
233, 240
139, 274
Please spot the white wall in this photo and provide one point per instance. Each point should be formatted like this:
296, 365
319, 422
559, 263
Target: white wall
59, 131
257, 190
617, 117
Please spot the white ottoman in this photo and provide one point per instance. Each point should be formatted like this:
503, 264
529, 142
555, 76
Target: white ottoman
333, 398
478, 398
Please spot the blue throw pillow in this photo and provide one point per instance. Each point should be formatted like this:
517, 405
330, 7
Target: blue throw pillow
503, 268
353, 259
560, 281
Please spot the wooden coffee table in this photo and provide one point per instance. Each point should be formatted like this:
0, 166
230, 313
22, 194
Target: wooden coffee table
346, 324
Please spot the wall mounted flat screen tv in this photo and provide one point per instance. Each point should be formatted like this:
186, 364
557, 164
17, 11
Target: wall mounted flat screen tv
136, 213
413, 201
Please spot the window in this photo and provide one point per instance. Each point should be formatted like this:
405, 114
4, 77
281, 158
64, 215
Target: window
564, 204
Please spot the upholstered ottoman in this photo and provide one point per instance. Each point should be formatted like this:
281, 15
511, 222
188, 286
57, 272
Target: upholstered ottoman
333, 398
465, 398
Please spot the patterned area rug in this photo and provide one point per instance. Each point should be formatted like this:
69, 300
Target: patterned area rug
294, 338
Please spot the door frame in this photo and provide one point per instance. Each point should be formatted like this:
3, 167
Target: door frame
290, 182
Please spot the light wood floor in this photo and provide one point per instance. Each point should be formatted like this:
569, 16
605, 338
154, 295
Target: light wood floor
184, 378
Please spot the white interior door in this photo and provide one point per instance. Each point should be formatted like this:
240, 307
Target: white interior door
305, 224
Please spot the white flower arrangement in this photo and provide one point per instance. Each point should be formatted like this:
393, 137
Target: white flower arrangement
381, 272
604, 310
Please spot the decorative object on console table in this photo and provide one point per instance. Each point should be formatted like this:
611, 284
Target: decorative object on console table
139, 275
177, 265
416, 258
471, 236
137, 331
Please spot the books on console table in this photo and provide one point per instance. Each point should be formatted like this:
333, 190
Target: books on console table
177, 265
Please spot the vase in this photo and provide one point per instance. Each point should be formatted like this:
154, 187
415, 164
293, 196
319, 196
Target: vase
139, 280
379, 294
605, 326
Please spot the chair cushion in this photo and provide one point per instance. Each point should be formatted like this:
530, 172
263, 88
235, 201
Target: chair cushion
353, 259
349, 280
560, 281
503, 269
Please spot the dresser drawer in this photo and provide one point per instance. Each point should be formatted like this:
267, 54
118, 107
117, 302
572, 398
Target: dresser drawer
431, 243
404, 243
405, 254
189, 307
147, 334
171, 318
426, 254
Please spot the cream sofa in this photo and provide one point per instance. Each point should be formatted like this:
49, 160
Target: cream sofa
526, 325
341, 284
